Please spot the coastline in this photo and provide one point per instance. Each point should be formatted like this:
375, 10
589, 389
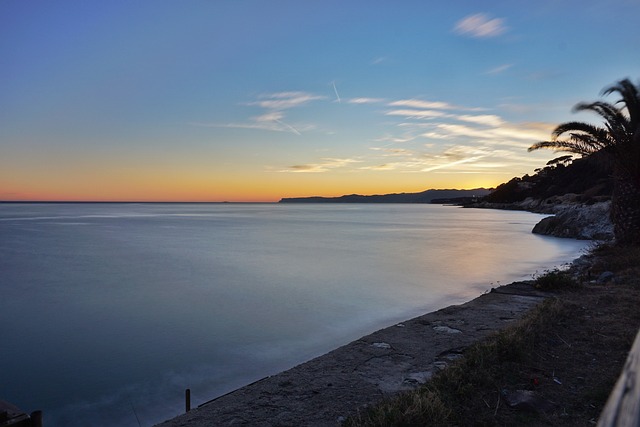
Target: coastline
327, 389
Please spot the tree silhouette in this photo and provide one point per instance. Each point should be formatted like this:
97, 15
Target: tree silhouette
619, 139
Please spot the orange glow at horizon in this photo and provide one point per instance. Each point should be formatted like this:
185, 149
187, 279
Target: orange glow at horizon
265, 187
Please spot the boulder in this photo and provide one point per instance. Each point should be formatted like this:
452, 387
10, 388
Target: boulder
586, 222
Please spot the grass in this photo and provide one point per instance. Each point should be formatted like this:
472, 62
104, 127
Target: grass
569, 350
553, 280
484, 371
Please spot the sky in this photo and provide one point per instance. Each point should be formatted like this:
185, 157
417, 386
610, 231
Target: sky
255, 100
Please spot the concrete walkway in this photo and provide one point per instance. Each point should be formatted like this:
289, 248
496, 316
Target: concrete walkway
325, 390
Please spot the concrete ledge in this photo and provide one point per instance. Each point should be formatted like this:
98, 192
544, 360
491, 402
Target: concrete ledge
325, 390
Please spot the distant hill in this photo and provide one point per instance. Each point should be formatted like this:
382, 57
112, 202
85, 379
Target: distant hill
428, 196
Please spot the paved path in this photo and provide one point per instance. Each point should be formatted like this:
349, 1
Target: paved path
325, 390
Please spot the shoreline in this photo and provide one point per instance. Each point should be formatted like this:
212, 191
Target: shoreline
329, 388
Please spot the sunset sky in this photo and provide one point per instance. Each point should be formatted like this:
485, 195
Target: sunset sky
246, 100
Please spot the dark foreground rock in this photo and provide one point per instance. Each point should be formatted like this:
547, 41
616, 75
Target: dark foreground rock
578, 222
571, 219
325, 390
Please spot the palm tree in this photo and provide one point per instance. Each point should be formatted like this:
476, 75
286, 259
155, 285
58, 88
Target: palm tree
619, 139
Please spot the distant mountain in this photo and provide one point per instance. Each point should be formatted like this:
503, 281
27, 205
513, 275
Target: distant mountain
428, 196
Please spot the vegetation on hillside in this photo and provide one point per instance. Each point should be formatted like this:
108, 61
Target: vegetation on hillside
588, 177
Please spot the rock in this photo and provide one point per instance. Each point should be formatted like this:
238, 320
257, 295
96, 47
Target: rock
577, 221
605, 277
447, 330
527, 400
381, 345
418, 377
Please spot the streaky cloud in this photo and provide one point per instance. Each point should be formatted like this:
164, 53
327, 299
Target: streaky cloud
500, 69
421, 104
365, 100
325, 165
483, 119
480, 25
422, 114
285, 100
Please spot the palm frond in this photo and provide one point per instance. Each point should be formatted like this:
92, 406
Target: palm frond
616, 122
609, 112
630, 97
570, 146
597, 132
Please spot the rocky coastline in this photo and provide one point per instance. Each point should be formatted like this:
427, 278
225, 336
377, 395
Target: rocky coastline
569, 217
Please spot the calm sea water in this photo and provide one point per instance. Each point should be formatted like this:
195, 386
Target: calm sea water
110, 311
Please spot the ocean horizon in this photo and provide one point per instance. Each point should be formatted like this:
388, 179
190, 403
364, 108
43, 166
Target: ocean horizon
113, 309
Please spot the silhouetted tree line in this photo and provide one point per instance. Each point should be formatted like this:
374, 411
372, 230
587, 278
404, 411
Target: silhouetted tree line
589, 177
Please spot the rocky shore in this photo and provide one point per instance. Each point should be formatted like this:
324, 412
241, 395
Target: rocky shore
569, 217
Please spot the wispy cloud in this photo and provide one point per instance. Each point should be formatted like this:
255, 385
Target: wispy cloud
326, 164
484, 119
439, 137
500, 69
480, 25
272, 119
284, 100
422, 114
365, 100
419, 103
274, 126
394, 151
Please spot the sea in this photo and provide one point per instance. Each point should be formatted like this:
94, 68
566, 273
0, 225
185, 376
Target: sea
110, 311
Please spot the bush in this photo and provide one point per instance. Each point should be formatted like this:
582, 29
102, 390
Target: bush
554, 280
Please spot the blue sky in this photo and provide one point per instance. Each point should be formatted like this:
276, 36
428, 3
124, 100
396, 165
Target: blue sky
257, 100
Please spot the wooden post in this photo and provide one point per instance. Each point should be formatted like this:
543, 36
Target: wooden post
623, 406
36, 419
187, 400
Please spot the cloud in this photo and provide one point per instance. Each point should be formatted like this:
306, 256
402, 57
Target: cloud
378, 60
285, 100
273, 118
486, 119
389, 151
262, 124
500, 69
365, 100
396, 139
453, 163
421, 104
269, 117
480, 25
506, 133
325, 165
422, 114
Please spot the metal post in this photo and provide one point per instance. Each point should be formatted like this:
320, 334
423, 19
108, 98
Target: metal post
187, 399
36, 419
